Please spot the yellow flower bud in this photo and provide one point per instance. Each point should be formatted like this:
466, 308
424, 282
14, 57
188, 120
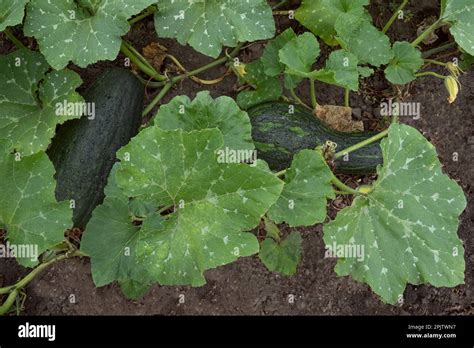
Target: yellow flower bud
240, 69
454, 69
365, 189
452, 85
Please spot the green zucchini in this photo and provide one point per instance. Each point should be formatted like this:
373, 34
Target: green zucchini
84, 150
279, 135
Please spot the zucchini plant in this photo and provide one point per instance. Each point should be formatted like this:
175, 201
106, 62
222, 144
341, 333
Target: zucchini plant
184, 194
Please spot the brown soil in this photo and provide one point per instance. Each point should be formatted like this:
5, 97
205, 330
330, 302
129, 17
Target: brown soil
246, 287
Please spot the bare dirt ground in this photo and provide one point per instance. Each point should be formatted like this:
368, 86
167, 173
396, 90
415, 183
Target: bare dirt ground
246, 287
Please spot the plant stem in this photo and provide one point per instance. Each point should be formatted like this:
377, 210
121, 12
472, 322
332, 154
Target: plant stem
343, 187
432, 61
282, 13
430, 73
13, 39
13, 290
298, 99
159, 96
145, 67
280, 4
439, 49
138, 55
361, 144
347, 97
312, 87
394, 16
5, 307
149, 11
195, 78
281, 173
427, 32
167, 86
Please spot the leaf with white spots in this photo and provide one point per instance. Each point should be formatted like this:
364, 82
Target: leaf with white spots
83, 31
307, 188
460, 13
28, 97
205, 112
110, 240
360, 37
209, 25
11, 12
341, 70
299, 54
405, 64
28, 208
406, 226
211, 203
283, 256
320, 16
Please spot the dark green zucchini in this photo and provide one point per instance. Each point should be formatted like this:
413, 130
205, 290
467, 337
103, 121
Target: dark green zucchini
279, 135
84, 150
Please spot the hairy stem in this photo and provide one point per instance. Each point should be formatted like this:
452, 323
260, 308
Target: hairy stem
431, 73
283, 13
435, 62
140, 62
13, 39
167, 86
395, 16
298, 99
314, 101
343, 187
13, 290
158, 98
427, 32
149, 11
361, 144
5, 307
279, 5
347, 97
281, 173
439, 49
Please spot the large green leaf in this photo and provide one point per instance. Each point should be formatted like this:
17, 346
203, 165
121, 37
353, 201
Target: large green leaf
213, 202
407, 226
341, 70
204, 112
307, 187
361, 38
11, 12
28, 208
81, 31
405, 64
461, 14
110, 240
299, 54
209, 25
284, 256
320, 16
28, 98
